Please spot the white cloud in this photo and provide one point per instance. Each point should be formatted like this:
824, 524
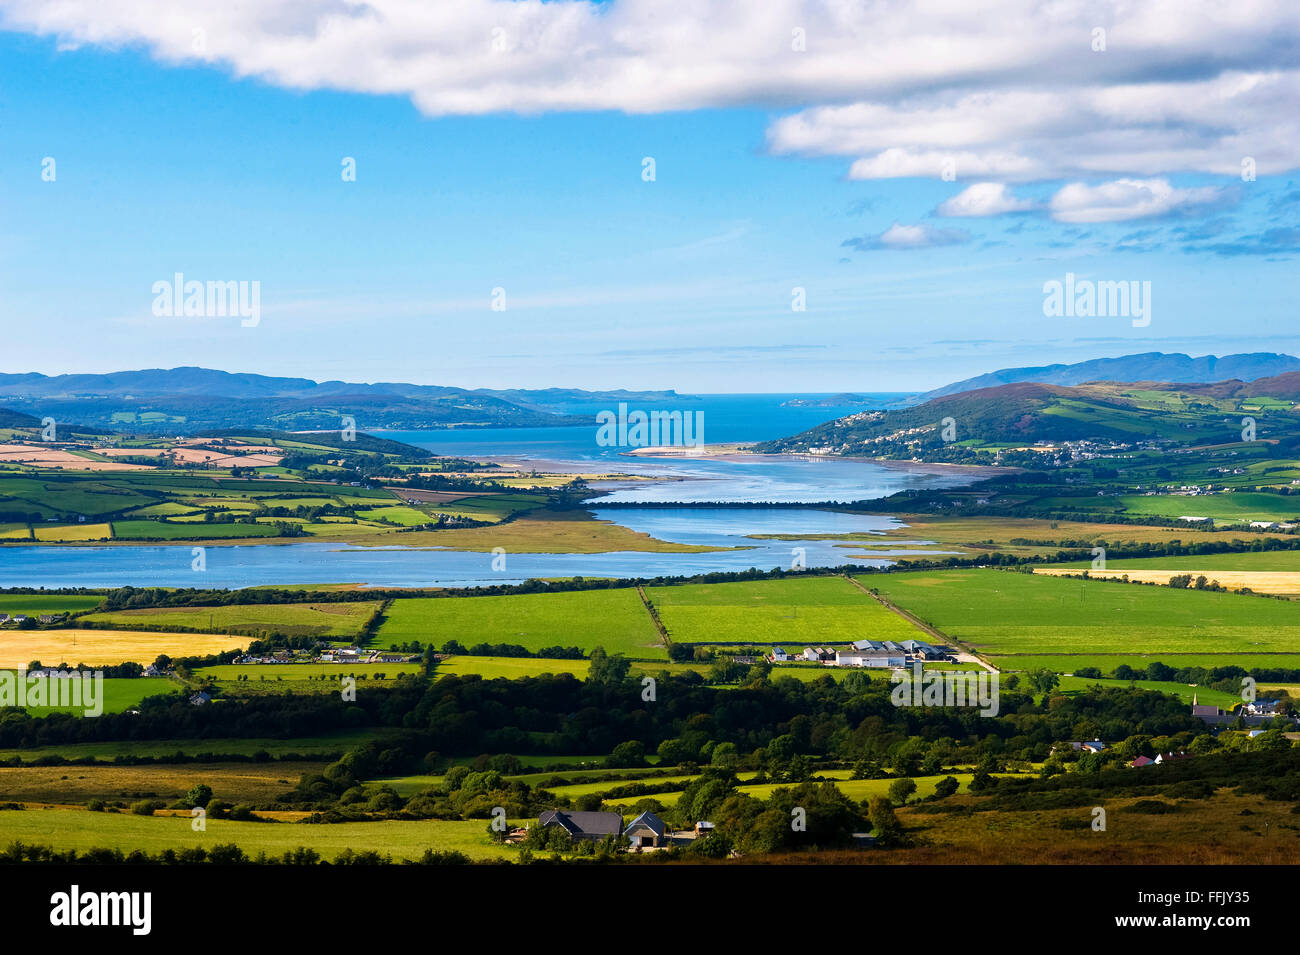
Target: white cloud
1007, 90
983, 199
899, 236
1125, 199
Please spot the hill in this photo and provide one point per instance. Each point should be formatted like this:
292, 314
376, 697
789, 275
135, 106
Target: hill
1093, 417
187, 400
1150, 366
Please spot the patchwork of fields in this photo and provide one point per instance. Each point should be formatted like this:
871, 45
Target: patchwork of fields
1007, 615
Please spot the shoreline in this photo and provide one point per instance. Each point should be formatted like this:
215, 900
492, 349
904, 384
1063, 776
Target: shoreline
737, 451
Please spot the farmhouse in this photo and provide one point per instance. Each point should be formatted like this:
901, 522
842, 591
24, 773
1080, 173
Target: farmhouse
1260, 708
646, 830
390, 657
818, 654
1142, 761
778, 655
1088, 746
583, 825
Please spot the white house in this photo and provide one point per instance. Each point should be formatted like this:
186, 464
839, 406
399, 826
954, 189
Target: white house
779, 655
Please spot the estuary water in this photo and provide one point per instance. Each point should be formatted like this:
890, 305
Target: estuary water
734, 479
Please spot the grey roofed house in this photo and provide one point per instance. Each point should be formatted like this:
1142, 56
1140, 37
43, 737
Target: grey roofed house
646, 829
583, 825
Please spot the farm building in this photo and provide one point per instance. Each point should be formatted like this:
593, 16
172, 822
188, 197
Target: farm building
583, 825
779, 655
646, 830
869, 658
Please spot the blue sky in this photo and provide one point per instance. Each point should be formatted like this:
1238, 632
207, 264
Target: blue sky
686, 282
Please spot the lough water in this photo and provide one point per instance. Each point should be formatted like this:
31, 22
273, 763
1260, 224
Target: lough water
738, 479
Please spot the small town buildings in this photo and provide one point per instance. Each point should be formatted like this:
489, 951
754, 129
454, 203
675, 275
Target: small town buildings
1142, 761
200, 698
646, 831
779, 655
593, 826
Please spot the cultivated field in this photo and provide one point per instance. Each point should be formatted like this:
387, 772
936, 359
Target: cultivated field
106, 647
614, 619
1280, 582
35, 604
795, 611
81, 829
343, 621
119, 694
1001, 613
233, 782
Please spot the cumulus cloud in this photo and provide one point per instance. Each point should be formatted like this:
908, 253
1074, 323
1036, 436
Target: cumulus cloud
983, 199
896, 88
899, 236
1125, 199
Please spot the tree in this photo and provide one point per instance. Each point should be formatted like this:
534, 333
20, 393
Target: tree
901, 789
627, 755
200, 795
1044, 680
945, 787
607, 669
889, 831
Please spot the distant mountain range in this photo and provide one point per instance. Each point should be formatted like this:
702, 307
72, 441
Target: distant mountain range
184, 400
1149, 366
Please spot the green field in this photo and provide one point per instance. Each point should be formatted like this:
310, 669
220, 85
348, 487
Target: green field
1237, 506
34, 604
1070, 685
302, 672
1107, 662
613, 619
1264, 561
119, 695
195, 530
796, 612
339, 620
81, 829
857, 789
335, 742
1001, 613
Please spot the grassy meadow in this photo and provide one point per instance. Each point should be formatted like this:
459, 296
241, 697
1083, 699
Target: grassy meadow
342, 621
614, 619
798, 611
1002, 613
